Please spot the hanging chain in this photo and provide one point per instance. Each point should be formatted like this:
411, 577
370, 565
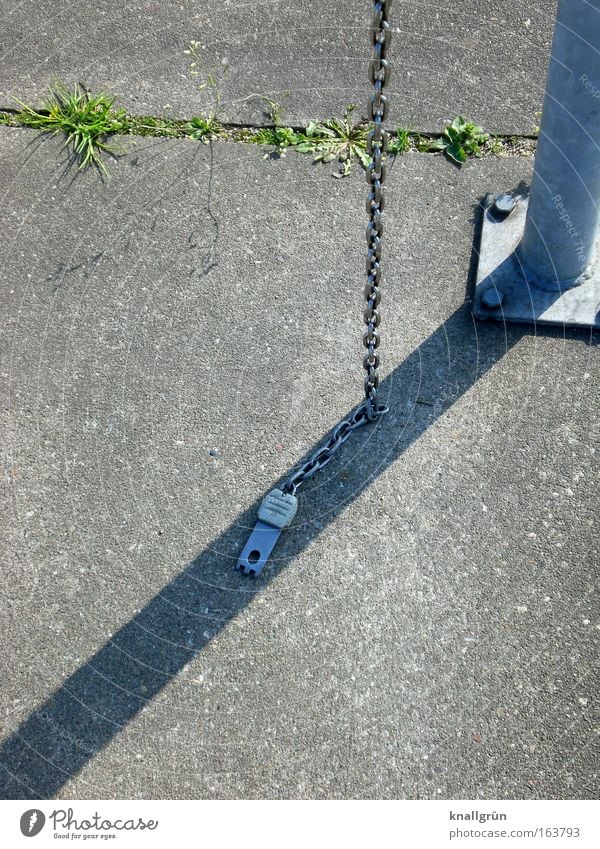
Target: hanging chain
369, 410
377, 142
324, 454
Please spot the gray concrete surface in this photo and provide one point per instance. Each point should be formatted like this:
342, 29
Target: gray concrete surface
429, 627
482, 58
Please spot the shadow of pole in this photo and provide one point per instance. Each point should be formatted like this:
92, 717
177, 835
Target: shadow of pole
90, 708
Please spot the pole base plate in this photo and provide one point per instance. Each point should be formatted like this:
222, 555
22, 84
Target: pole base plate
503, 292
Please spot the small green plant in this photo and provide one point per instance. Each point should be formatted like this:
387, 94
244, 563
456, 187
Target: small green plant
280, 137
85, 120
460, 140
337, 139
210, 79
202, 129
495, 145
272, 110
400, 142
273, 107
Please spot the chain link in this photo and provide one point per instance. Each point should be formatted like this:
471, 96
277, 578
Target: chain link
377, 141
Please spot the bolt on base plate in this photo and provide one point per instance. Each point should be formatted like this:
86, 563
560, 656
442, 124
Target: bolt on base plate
504, 293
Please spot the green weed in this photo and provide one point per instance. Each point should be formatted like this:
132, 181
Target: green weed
84, 119
272, 109
281, 138
210, 79
460, 140
495, 146
337, 139
203, 129
400, 142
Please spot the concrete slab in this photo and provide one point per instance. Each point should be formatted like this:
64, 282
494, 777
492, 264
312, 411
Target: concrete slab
174, 341
484, 59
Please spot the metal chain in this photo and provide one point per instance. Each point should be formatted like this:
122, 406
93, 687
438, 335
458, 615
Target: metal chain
323, 455
377, 140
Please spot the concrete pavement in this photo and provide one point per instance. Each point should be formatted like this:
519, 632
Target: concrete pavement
480, 58
174, 341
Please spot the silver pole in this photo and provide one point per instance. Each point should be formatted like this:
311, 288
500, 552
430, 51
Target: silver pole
562, 223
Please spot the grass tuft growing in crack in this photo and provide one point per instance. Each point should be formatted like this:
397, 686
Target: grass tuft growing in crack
400, 141
85, 119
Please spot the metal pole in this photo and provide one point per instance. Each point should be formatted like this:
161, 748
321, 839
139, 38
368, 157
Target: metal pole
539, 257
562, 222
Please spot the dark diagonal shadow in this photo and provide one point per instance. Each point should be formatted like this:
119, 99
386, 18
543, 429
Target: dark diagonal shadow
94, 703
90, 708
